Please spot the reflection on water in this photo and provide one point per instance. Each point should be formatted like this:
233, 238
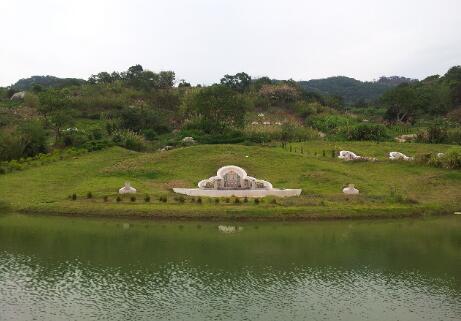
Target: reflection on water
80, 269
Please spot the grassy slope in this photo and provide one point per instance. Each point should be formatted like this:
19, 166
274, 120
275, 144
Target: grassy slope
418, 188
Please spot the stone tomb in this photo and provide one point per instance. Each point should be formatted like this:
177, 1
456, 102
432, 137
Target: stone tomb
234, 181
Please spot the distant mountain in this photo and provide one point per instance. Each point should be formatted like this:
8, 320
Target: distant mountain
353, 90
46, 81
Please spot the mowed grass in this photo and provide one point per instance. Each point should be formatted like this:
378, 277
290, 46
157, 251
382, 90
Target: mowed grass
387, 188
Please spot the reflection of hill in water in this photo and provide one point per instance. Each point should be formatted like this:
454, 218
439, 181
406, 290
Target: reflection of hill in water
52, 267
431, 246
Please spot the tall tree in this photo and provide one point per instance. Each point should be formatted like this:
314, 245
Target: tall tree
239, 82
401, 103
53, 107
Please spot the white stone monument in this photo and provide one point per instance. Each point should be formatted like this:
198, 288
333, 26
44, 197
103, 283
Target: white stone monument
127, 189
233, 181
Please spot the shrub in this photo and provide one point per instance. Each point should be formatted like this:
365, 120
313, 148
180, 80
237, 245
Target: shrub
118, 199
245, 200
181, 199
199, 200
433, 135
74, 197
163, 199
105, 198
227, 200
147, 198
376, 132
133, 198
256, 201
273, 201
454, 136
237, 200
216, 200
329, 123
452, 160
89, 195
129, 139
73, 138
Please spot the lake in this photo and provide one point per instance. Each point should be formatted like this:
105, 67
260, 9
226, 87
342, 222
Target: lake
61, 268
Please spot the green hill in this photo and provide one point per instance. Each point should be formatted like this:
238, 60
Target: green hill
45, 81
352, 90
388, 189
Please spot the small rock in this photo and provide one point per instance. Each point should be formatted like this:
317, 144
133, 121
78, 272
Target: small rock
350, 190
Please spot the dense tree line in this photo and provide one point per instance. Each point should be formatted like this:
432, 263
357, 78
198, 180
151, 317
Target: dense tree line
433, 96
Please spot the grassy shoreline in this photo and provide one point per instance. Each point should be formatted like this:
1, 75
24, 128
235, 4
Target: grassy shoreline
388, 189
232, 214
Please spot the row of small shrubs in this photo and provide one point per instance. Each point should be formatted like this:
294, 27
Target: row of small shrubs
179, 199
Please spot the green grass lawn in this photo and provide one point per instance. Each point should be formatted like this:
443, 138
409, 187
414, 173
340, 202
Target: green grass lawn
388, 189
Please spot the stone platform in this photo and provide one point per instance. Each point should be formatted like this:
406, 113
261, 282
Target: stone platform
250, 193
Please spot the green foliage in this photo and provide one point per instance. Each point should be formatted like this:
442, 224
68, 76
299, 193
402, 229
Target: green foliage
431, 96
46, 82
34, 138
434, 134
129, 139
151, 120
450, 160
330, 122
215, 108
352, 90
373, 132
29, 139
136, 77
239, 82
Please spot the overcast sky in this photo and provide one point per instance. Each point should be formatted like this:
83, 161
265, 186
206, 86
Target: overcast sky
201, 40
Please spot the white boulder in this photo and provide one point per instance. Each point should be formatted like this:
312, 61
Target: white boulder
188, 140
440, 155
18, 96
127, 189
347, 155
166, 148
399, 156
406, 138
350, 190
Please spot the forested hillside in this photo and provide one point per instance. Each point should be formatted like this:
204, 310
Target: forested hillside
140, 109
351, 90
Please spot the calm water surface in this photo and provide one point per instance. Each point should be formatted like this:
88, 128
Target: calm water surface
55, 268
